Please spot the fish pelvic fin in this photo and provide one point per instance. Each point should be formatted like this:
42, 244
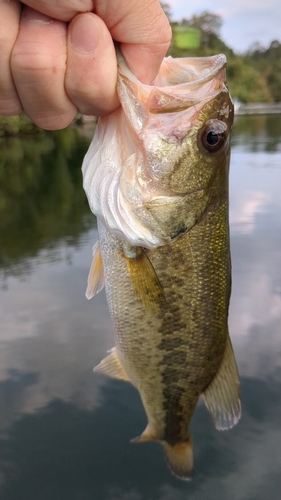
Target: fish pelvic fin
179, 458
222, 397
145, 280
96, 273
111, 366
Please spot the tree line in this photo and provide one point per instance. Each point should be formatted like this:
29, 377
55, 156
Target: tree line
254, 76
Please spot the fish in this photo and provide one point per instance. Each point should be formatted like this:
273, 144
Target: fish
156, 177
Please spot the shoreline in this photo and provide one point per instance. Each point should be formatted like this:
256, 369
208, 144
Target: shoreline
257, 108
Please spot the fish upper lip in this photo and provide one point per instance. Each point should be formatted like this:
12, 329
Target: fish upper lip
219, 59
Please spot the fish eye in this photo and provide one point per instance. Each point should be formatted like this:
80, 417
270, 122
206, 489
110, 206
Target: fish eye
212, 135
212, 138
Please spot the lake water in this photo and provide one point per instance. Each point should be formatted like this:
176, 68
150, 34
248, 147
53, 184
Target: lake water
65, 431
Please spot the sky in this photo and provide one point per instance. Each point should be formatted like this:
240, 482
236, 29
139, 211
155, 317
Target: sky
244, 21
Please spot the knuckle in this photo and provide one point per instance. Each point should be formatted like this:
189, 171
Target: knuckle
93, 103
54, 120
29, 60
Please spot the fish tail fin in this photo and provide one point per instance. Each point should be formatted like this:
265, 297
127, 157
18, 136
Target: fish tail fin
180, 458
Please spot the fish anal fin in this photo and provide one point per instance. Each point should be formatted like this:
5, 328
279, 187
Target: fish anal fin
111, 366
146, 435
145, 281
222, 397
179, 457
96, 273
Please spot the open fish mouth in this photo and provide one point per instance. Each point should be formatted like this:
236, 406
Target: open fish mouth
180, 83
131, 166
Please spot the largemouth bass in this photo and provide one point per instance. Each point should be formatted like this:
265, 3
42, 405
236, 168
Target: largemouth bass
156, 176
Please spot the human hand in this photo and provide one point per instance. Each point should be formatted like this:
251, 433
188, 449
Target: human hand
61, 58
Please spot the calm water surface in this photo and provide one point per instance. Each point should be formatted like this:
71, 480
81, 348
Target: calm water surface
65, 431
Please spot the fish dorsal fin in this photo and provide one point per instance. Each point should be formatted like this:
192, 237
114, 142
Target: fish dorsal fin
145, 280
96, 273
111, 366
222, 395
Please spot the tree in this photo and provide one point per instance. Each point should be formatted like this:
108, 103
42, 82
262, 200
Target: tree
167, 9
208, 22
245, 82
274, 80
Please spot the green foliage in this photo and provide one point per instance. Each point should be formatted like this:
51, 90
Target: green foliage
206, 21
245, 83
14, 125
253, 77
268, 63
274, 80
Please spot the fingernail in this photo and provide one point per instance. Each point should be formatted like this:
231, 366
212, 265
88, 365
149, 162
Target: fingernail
85, 33
34, 16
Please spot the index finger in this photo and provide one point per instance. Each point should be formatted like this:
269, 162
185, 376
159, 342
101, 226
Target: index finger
63, 10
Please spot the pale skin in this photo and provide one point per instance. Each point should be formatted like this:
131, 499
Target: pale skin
60, 58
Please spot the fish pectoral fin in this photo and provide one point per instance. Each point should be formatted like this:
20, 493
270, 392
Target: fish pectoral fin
145, 281
96, 273
179, 457
111, 366
222, 397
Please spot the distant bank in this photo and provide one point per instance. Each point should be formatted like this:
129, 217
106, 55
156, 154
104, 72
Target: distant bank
257, 108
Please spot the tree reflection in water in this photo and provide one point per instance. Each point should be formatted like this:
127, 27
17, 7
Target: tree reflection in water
41, 195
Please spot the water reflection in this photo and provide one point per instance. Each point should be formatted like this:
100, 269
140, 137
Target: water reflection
64, 431
63, 451
255, 207
47, 329
257, 133
39, 199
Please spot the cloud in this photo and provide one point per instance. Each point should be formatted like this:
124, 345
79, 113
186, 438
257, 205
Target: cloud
242, 218
52, 332
255, 310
